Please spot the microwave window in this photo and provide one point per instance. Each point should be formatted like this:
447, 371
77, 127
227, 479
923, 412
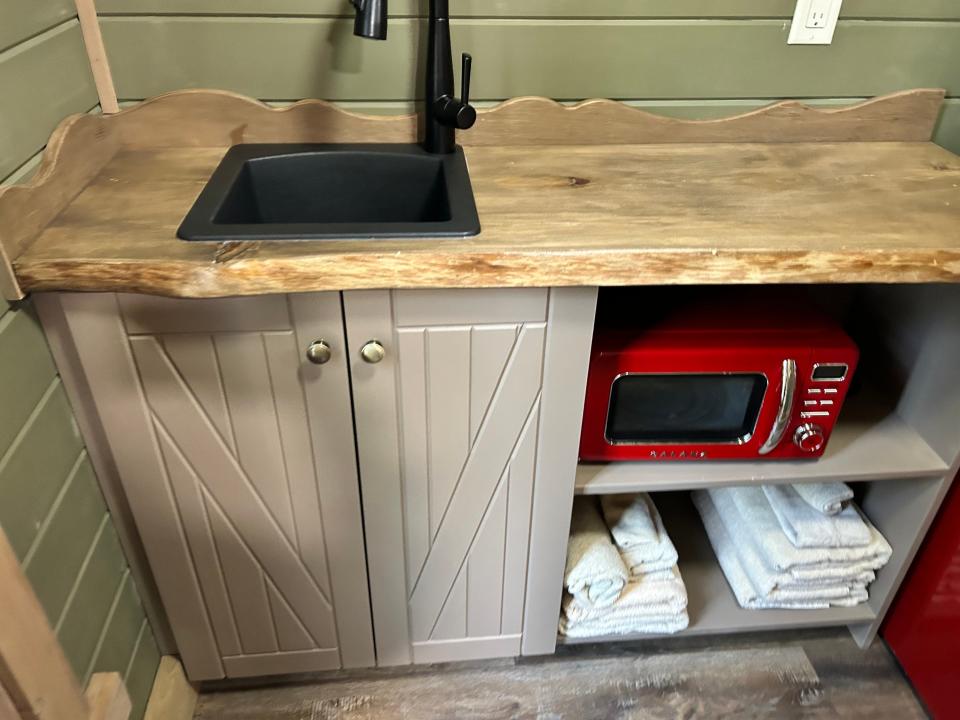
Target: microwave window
679, 408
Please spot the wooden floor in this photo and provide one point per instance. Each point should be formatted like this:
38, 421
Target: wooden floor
811, 674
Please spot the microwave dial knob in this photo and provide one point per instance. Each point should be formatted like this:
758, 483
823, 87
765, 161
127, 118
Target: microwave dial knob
809, 437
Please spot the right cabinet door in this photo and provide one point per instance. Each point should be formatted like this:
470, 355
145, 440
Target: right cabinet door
447, 423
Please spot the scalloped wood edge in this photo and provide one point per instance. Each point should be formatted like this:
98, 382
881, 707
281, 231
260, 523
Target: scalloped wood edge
83, 144
77, 150
200, 118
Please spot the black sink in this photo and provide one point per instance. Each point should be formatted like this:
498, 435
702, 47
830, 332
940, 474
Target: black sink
317, 191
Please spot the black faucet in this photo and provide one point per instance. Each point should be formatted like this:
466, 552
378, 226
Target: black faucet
445, 113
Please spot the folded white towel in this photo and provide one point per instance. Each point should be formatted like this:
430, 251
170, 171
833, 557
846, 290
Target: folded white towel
595, 573
614, 625
750, 519
651, 595
638, 531
630, 519
805, 526
818, 583
748, 596
828, 497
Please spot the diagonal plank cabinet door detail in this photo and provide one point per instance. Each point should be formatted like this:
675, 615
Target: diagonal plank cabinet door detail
238, 460
447, 425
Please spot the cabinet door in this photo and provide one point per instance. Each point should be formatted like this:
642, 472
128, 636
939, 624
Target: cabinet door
236, 454
447, 432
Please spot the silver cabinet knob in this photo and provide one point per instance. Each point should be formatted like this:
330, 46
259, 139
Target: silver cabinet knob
319, 352
372, 352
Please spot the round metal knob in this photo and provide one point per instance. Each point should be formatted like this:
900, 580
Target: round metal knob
809, 437
372, 352
319, 352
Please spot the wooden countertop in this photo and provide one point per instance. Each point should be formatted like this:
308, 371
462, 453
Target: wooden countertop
608, 213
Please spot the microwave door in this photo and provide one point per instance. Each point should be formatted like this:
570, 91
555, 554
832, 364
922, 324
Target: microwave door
684, 408
788, 389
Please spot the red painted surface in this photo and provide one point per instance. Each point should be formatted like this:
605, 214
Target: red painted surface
923, 625
752, 332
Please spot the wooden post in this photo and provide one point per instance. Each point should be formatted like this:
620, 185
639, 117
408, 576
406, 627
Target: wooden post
33, 668
107, 697
36, 681
97, 55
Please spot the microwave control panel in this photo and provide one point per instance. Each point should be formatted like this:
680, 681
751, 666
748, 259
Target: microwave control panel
819, 404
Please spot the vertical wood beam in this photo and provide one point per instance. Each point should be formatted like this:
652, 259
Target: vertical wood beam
33, 669
97, 55
8, 711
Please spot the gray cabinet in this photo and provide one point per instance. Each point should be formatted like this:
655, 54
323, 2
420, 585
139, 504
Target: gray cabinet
236, 456
239, 459
447, 429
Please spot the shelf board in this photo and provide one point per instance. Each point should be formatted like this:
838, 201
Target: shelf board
712, 606
862, 447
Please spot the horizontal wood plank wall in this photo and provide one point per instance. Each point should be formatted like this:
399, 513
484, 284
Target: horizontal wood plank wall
51, 507
284, 58
869, 9
55, 518
22, 19
42, 80
692, 58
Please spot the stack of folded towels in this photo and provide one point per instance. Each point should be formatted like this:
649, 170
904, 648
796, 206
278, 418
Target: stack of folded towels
792, 546
629, 583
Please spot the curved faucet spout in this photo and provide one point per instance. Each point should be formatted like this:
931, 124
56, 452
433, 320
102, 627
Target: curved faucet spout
445, 113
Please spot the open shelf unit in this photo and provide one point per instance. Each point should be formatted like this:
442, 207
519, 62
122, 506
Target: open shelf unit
900, 446
712, 606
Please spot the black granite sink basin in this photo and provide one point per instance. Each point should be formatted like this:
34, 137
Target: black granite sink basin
326, 191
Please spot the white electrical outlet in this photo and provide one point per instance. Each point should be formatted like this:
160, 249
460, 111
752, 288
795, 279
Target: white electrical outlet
818, 15
814, 22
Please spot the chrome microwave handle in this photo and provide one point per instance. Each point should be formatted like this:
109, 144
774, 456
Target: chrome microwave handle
788, 388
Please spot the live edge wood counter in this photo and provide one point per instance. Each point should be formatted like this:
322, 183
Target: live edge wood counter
597, 194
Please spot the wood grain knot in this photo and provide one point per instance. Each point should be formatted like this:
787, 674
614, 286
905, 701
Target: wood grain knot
233, 250
578, 182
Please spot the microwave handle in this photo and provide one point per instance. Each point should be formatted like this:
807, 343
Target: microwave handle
788, 388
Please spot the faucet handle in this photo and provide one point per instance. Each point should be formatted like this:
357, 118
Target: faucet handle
467, 63
457, 112
464, 116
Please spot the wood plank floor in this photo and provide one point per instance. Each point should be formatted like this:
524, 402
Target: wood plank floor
811, 674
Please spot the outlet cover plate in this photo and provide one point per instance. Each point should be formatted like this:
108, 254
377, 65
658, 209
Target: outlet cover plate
814, 22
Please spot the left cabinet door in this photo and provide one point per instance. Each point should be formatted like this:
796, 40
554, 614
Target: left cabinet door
236, 454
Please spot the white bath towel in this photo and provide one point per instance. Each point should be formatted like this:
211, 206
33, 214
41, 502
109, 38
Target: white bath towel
748, 596
616, 625
653, 594
750, 519
595, 573
828, 497
818, 583
638, 531
805, 526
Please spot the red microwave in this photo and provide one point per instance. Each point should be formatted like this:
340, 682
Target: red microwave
742, 378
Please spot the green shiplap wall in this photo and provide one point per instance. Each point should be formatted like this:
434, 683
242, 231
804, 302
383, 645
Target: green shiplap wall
52, 511
51, 508
689, 58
